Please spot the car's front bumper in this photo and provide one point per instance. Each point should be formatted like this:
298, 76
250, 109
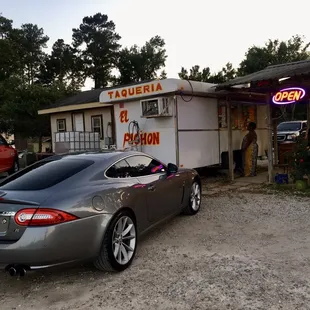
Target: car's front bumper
40, 247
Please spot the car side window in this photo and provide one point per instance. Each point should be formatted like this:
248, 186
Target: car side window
119, 170
304, 126
144, 165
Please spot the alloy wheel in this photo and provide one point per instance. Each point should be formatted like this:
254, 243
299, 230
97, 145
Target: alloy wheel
124, 240
195, 196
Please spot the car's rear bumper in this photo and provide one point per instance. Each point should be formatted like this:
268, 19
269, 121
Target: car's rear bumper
40, 247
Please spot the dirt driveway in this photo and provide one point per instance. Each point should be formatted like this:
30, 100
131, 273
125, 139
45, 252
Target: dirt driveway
242, 251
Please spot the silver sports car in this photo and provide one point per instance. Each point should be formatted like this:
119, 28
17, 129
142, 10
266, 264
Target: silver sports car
89, 207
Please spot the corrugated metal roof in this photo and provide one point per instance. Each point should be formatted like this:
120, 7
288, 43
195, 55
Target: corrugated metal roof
272, 72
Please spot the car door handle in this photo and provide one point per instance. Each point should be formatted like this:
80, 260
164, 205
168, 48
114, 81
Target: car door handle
151, 188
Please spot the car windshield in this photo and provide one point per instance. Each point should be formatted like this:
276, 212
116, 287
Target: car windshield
291, 126
44, 174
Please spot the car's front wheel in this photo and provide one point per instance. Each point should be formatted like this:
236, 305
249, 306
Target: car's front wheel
119, 244
194, 199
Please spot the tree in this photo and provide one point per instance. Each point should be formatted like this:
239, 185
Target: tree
227, 73
163, 75
101, 51
195, 74
140, 64
63, 66
20, 110
273, 53
8, 54
5, 27
29, 42
21, 92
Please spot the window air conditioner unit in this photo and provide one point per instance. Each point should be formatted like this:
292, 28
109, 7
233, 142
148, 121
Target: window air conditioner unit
156, 107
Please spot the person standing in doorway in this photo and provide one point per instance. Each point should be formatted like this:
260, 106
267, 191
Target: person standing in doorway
250, 151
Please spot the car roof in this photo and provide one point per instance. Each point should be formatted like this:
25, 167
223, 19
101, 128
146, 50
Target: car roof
96, 155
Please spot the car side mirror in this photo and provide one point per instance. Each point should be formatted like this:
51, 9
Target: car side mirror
172, 168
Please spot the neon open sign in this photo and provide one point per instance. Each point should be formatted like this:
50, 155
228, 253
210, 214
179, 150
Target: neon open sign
289, 95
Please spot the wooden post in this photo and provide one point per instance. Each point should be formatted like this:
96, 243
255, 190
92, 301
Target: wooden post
230, 148
275, 140
269, 128
308, 119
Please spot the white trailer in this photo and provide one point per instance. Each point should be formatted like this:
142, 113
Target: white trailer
173, 120
176, 121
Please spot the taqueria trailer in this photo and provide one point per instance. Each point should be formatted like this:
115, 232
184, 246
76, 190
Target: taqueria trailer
177, 121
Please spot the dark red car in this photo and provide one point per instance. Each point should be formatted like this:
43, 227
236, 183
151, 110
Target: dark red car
8, 157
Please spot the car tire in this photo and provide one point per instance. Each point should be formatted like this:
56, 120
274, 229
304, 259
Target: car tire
119, 244
15, 167
194, 202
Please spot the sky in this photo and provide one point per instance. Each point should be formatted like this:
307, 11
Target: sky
202, 32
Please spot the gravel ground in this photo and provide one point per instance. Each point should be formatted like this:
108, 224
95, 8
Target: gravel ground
242, 251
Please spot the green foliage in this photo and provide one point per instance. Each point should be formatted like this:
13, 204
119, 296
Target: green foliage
205, 75
20, 110
300, 160
64, 66
140, 64
23, 91
273, 53
101, 42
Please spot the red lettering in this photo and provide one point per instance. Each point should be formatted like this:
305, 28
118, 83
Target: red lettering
117, 94
123, 116
124, 92
126, 138
152, 87
131, 91
156, 140
149, 139
139, 90
110, 93
146, 88
158, 87
143, 139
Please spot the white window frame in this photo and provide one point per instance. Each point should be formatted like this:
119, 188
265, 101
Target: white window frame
58, 122
94, 117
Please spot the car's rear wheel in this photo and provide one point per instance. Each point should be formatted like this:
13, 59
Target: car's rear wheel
119, 244
15, 167
194, 199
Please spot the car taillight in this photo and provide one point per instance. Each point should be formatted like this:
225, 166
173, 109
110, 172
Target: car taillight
42, 217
